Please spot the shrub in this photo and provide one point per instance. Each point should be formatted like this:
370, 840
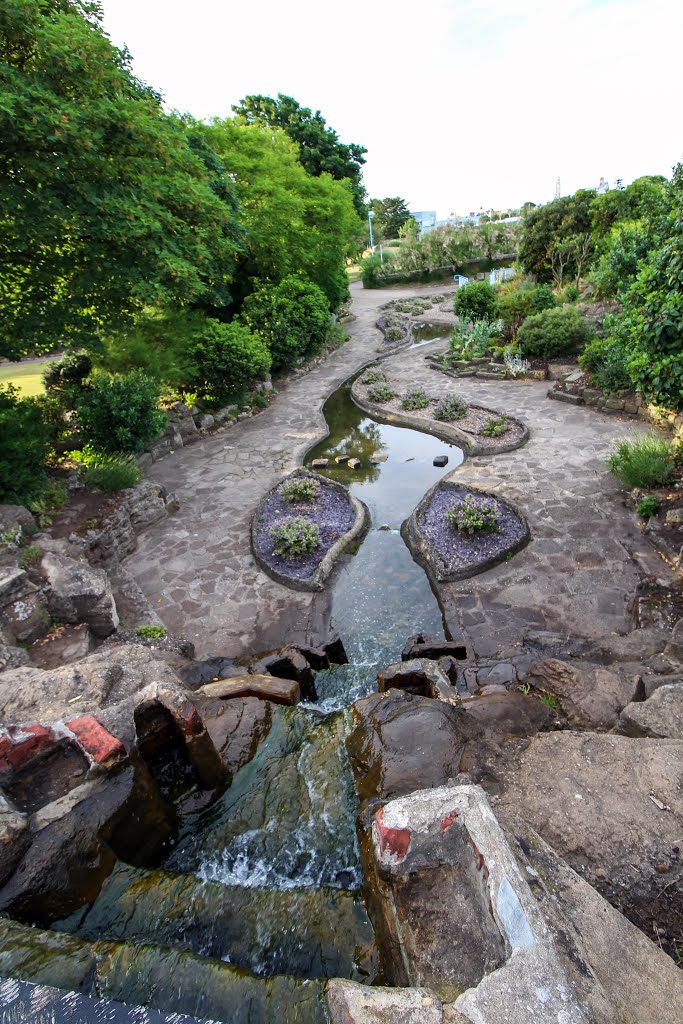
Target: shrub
118, 412
49, 501
450, 408
228, 358
151, 632
475, 301
570, 293
294, 536
474, 515
515, 302
291, 317
414, 399
515, 365
68, 372
299, 488
606, 360
648, 506
113, 473
161, 343
372, 269
24, 449
373, 376
30, 556
381, 392
495, 426
472, 339
553, 333
647, 461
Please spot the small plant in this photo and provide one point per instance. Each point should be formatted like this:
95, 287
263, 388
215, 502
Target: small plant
299, 488
515, 365
495, 426
475, 300
294, 536
152, 632
49, 502
373, 376
643, 462
382, 392
394, 334
648, 506
259, 401
550, 700
414, 399
112, 473
450, 408
30, 556
472, 340
11, 539
474, 515
524, 687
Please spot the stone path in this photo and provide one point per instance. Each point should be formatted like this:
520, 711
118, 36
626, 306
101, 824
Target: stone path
578, 574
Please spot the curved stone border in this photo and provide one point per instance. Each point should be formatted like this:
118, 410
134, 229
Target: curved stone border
445, 431
317, 580
422, 552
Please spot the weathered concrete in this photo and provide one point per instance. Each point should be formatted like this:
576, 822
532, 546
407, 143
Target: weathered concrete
577, 575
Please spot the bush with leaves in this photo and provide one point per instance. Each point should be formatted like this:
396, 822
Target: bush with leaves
228, 358
520, 298
381, 392
291, 317
495, 426
294, 536
118, 412
553, 333
372, 376
474, 515
373, 269
606, 360
472, 339
24, 449
475, 301
450, 408
107, 472
67, 373
299, 488
647, 461
414, 398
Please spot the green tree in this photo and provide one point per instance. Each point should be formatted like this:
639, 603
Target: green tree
118, 413
320, 150
229, 358
389, 217
106, 204
294, 222
292, 317
553, 240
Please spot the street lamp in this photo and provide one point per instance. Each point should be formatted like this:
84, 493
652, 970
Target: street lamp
371, 214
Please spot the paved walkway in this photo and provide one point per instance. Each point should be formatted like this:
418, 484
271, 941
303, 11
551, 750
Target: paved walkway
577, 575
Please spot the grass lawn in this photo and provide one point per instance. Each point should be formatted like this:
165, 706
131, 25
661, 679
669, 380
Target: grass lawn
27, 377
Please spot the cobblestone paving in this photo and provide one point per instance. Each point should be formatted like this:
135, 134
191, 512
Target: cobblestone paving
578, 574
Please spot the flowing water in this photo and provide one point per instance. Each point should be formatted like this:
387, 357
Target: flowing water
267, 881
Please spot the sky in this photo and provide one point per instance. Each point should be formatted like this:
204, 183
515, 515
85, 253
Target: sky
461, 104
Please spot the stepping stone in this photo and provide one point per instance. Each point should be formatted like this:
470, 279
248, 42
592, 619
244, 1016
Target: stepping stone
378, 457
319, 463
441, 460
265, 687
341, 458
353, 463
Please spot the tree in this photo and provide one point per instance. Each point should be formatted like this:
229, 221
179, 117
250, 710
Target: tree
294, 222
291, 317
320, 150
549, 235
107, 205
390, 215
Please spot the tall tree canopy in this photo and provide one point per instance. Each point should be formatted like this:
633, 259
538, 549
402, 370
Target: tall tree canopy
390, 215
105, 203
294, 223
556, 238
320, 150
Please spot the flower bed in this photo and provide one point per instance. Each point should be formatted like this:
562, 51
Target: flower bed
307, 557
452, 553
468, 431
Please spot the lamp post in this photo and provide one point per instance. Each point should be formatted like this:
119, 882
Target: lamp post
371, 214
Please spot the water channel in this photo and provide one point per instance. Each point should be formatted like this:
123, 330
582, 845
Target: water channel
268, 879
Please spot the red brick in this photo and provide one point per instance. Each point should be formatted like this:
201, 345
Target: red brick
28, 740
394, 840
95, 739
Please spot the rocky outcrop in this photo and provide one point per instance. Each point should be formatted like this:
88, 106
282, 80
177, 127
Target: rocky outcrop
591, 696
23, 608
77, 592
660, 716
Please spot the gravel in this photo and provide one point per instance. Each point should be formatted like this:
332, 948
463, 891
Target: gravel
457, 549
333, 513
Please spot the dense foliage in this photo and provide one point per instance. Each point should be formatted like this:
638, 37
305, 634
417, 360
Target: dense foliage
643, 462
475, 301
118, 412
25, 446
389, 216
292, 318
553, 333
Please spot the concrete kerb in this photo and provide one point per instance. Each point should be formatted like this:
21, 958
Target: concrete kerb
444, 431
409, 832
431, 563
318, 579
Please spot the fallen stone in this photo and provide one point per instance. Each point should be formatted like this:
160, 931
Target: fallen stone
265, 687
419, 676
23, 608
341, 458
674, 516
440, 460
351, 1003
573, 377
614, 405
660, 716
316, 657
12, 657
289, 663
61, 646
378, 457
79, 593
14, 518
335, 651
319, 463
422, 645
588, 695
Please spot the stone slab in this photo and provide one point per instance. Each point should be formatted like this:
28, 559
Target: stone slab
279, 691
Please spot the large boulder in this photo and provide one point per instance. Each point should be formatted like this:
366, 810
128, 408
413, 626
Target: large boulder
589, 695
661, 716
98, 681
78, 592
16, 519
23, 608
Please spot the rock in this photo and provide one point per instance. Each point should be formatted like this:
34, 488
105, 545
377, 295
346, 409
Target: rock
588, 695
596, 807
16, 518
573, 377
339, 459
660, 716
61, 646
98, 681
353, 463
316, 657
504, 713
592, 396
205, 421
440, 460
145, 504
335, 651
12, 657
79, 593
418, 676
23, 608
237, 727
161, 448
422, 645
614, 405
319, 463
349, 1002
186, 426
565, 396
288, 663
378, 457
265, 687
653, 682
14, 838
402, 742
384, 528
209, 671
674, 517
674, 648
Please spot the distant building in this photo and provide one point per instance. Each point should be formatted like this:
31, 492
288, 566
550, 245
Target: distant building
426, 220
